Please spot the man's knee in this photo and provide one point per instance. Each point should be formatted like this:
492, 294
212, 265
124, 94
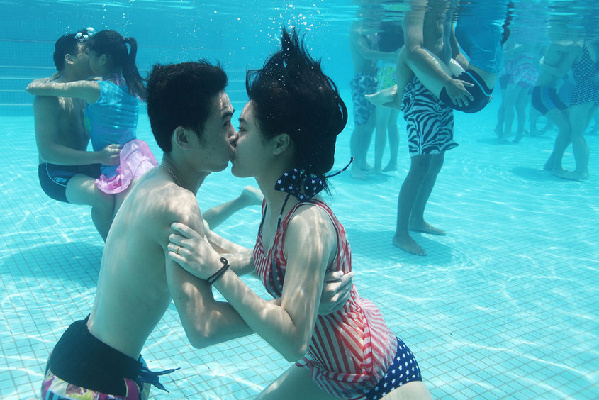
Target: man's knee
419, 166
436, 163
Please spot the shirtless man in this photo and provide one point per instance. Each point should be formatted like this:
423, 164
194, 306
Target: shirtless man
66, 170
365, 54
429, 122
190, 115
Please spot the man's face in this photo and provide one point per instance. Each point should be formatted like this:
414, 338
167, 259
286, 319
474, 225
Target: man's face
81, 62
218, 131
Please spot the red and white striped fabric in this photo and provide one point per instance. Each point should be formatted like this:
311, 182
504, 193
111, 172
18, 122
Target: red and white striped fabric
351, 349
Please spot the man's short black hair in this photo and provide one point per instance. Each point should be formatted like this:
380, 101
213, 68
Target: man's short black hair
181, 95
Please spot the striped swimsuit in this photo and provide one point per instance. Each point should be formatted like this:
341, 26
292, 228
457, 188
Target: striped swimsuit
351, 350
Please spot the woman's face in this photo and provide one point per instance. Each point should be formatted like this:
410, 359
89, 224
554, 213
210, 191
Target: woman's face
252, 150
94, 63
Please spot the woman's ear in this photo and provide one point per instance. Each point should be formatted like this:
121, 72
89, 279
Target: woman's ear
282, 143
103, 59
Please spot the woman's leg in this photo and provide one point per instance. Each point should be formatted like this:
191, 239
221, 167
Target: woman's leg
382, 116
580, 116
521, 103
295, 384
509, 111
410, 391
562, 140
393, 132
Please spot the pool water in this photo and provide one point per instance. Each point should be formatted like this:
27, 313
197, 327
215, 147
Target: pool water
502, 307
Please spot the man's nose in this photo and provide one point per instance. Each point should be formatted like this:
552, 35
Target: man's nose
233, 137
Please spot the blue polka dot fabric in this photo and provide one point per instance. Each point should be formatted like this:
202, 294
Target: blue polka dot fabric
404, 369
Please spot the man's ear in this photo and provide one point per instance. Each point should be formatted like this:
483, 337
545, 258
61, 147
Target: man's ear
181, 137
282, 143
68, 59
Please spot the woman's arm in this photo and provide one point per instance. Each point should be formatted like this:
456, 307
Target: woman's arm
86, 90
310, 245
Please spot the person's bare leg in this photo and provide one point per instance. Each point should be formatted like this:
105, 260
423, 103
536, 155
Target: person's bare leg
250, 196
500, 117
393, 132
81, 189
509, 112
409, 391
380, 139
359, 143
410, 188
294, 384
430, 82
562, 141
417, 222
580, 116
521, 103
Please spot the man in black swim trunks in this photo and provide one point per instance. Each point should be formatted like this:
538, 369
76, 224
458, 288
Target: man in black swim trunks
66, 170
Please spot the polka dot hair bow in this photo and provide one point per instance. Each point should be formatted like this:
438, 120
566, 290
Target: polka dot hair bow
302, 185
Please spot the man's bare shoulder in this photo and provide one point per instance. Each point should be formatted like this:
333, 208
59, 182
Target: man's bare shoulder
162, 202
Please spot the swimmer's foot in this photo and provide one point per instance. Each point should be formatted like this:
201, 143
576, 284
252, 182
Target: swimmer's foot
251, 196
358, 173
559, 171
549, 164
390, 167
425, 227
572, 175
408, 244
518, 137
499, 131
365, 167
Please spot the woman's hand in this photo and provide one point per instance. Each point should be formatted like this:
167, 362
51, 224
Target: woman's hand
335, 292
192, 251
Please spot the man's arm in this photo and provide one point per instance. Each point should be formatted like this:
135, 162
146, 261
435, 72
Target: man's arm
46, 112
205, 320
423, 63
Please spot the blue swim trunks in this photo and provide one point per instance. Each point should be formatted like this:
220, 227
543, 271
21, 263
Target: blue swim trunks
361, 85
